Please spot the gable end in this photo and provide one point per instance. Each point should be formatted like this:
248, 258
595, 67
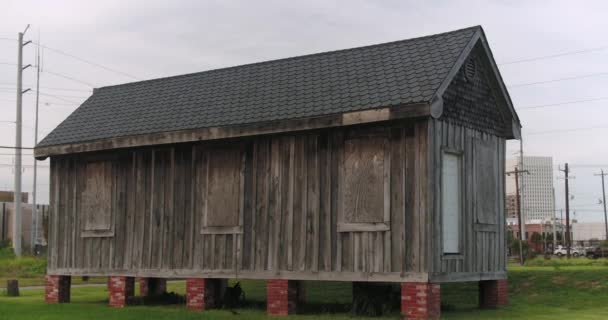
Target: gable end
473, 98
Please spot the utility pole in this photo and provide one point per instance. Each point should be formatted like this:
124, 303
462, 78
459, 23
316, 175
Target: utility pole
517, 172
553, 218
521, 167
17, 188
566, 172
561, 221
34, 203
602, 174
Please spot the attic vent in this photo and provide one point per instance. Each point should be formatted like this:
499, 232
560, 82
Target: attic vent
470, 70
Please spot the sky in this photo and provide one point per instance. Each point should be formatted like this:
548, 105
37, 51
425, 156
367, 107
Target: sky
94, 44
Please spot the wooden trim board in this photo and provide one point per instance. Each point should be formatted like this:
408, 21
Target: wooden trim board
416, 110
254, 275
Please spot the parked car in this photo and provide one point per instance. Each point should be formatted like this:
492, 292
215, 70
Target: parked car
597, 252
560, 251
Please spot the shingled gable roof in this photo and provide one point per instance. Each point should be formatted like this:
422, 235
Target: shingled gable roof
396, 74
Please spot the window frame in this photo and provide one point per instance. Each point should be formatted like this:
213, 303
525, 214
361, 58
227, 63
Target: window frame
461, 199
384, 225
238, 229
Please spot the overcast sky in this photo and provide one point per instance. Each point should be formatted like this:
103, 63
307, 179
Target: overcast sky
150, 39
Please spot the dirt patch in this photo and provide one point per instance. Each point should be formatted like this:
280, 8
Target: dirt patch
559, 280
588, 284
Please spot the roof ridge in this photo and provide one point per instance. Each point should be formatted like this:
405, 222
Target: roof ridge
290, 58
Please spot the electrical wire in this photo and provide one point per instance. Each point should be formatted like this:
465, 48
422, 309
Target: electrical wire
57, 74
551, 56
69, 78
87, 61
46, 88
48, 94
568, 130
591, 75
561, 103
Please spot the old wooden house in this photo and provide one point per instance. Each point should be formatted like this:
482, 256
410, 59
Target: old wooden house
382, 163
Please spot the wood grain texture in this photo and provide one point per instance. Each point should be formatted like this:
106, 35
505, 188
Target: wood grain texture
97, 196
483, 217
363, 199
224, 187
290, 189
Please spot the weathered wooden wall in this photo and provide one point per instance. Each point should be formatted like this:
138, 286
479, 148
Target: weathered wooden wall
483, 221
290, 206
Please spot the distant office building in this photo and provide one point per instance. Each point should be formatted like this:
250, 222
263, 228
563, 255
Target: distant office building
511, 206
537, 201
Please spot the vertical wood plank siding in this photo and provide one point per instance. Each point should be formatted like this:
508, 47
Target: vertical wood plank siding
290, 210
484, 246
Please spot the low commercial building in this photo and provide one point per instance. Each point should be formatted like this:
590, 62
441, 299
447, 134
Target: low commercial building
589, 233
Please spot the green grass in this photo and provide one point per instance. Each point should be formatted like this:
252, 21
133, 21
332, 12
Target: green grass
563, 262
543, 289
570, 292
29, 270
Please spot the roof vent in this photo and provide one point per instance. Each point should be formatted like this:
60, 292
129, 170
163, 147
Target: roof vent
470, 70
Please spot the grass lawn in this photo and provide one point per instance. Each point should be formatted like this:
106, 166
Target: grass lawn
29, 270
576, 289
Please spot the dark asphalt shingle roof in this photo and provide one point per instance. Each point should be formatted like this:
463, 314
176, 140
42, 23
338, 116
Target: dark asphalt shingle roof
395, 73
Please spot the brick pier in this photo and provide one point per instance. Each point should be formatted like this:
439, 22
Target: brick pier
203, 294
420, 300
282, 297
57, 289
493, 293
121, 290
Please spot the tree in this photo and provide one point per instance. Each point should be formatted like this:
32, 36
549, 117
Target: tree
536, 239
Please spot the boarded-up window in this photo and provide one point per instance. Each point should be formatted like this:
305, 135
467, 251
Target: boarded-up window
223, 201
451, 205
96, 206
364, 184
486, 185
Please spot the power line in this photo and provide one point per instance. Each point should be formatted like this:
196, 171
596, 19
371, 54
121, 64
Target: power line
49, 103
68, 78
87, 61
58, 97
56, 74
81, 60
62, 95
558, 80
48, 94
46, 88
568, 130
562, 103
589, 165
551, 56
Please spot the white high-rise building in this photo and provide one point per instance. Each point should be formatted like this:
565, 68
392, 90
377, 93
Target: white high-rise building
538, 200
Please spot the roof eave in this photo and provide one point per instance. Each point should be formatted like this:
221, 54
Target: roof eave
408, 111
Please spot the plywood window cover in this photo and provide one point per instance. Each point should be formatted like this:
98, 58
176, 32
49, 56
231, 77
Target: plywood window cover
205, 229
99, 233
458, 255
345, 226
